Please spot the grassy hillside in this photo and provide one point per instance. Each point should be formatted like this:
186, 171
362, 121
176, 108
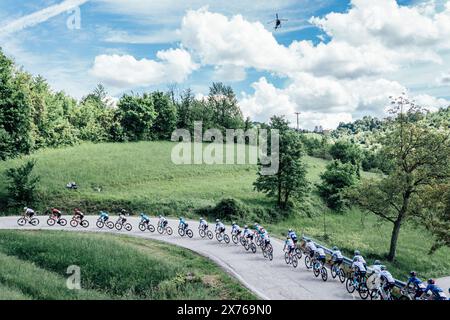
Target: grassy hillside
141, 176
34, 266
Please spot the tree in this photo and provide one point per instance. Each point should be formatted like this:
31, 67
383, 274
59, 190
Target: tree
347, 152
226, 112
166, 119
290, 180
434, 214
136, 115
15, 109
336, 179
22, 184
185, 109
420, 161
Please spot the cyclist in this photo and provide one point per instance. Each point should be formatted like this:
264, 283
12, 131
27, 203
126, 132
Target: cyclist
293, 236
144, 218
162, 221
336, 257
28, 213
437, 292
289, 245
203, 224
311, 247
265, 238
122, 216
387, 280
374, 278
419, 286
235, 229
182, 223
247, 233
56, 213
360, 258
320, 255
77, 214
359, 268
104, 216
220, 227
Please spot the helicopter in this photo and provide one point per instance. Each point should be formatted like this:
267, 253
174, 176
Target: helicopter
277, 22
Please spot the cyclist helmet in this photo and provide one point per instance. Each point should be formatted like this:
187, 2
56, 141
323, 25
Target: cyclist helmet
234, 222
142, 214
160, 216
263, 230
201, 218
290, 230
413, 273
181, 218
246, 227
383, 268
430, 281
335, 248
377, 262
357, 253
355, 259
217, 220
25, 208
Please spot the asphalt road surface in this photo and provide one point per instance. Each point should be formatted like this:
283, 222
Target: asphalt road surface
272, 280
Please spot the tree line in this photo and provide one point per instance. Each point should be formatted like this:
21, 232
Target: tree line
32, 116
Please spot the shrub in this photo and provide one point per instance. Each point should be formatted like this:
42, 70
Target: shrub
21, 189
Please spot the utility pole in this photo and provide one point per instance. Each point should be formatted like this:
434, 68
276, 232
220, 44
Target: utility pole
297, 113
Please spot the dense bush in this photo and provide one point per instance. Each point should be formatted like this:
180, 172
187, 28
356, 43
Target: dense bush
22, 185
336, 179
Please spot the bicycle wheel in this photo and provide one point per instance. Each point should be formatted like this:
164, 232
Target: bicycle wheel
316, 270
226, 238
269, 248
62, 222
169, 231
209, 234
308, 262
100, 224
110, 224
363, 291
298, 252
160, 229
324, 274
341, 275
294, 261
247, 245
201, 232
234, 239
51, 222
142, 227
350, 285
181, 232
128, 227
151, 228
84, 223
287, 259
253, 247
34, 221
219, 236
118, 226
189, 233
270, 254
374, 294
242, 241
21, 222
73, 223
333, 272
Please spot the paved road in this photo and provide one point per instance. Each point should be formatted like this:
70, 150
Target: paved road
272, 280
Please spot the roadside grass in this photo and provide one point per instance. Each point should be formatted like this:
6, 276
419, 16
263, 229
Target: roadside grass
34, 265
141, 177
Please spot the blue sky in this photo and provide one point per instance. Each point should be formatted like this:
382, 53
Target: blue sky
335, 68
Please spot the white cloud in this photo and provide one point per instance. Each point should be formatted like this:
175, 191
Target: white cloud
444, 79
39, 16
218, 40
229, 73
174, 65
